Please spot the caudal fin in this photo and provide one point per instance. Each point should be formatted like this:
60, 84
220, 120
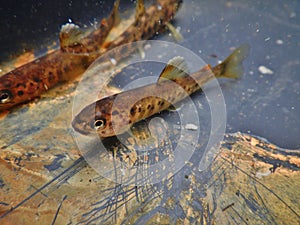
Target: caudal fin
231, 67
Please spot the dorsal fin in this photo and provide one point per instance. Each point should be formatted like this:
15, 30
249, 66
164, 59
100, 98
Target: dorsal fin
175, 68
70, 35
140, 9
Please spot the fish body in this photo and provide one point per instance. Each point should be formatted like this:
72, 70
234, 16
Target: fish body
115, 114
77, 52
42, 74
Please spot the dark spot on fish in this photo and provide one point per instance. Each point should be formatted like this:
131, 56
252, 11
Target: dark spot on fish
134, 36
132, 111
20, 93
19, 85
50, 76
140, 109
129, 121
85, 62
103, 132
66, 68
115, 112
149, 106
36, 79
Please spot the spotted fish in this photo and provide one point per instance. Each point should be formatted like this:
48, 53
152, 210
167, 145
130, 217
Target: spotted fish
77, 51
115, 114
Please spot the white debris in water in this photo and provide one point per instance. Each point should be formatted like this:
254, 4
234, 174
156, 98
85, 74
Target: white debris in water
191, 126
265, 70
262, 174
267, 39
113, 61
251, 90
279, 42
142, 53
147, 46
292, 15
177, 127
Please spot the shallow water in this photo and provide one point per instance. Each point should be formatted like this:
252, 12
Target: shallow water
266, 105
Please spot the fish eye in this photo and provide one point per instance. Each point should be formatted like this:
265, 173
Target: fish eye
100, 123
5, 96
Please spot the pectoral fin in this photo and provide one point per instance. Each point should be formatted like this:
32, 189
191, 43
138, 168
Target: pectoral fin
175, 68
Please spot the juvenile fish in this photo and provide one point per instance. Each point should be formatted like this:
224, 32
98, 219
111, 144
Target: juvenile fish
32, 79
115, 114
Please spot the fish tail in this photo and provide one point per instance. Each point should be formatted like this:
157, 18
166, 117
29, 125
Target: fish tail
232, 67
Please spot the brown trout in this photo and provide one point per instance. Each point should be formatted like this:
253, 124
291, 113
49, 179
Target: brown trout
78, 51
115, 114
